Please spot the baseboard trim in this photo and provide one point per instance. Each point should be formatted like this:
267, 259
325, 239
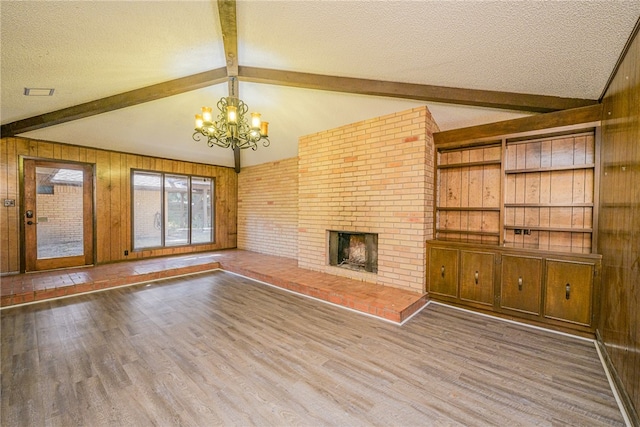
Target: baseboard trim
622, 397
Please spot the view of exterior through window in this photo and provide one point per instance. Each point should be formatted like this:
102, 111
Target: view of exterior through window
59, 207
171, 210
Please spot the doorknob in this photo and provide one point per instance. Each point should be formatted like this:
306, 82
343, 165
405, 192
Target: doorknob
29, 222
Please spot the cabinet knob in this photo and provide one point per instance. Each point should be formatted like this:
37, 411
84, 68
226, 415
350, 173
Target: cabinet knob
520, 283
567, 288
442, 271
475, 276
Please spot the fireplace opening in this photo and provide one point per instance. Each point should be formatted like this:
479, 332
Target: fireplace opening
354, 251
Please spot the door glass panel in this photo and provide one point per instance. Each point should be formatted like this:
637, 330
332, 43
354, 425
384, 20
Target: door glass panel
147, 213
201, 211
176, 193
59, 208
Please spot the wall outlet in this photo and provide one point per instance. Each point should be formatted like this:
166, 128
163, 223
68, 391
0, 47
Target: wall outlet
9, 203
126, 252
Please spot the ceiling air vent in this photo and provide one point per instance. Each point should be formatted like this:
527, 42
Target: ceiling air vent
36, 91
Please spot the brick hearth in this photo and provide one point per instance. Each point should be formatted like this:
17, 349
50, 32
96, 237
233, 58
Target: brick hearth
382, 301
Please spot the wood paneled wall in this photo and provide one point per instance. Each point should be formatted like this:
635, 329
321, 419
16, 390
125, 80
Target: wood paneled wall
113, 198
619, 223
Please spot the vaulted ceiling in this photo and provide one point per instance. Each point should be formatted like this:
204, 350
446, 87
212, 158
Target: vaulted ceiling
130, 75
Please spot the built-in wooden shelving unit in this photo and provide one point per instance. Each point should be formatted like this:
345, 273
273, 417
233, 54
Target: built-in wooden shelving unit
515, 227
549, 191
533, 193
468, 206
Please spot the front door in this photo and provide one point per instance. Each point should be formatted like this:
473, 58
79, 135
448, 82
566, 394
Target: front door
57, 215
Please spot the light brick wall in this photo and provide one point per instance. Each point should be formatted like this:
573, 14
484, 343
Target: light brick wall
374, 176
60, 215
268, 208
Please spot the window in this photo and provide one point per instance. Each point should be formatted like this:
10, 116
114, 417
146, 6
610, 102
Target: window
176, 219
171, 210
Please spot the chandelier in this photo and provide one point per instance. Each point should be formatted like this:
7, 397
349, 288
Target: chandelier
232, 127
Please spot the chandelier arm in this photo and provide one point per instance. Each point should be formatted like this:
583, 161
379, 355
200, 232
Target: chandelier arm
213, 141
197, 136
222, 106
242, 108
243, 144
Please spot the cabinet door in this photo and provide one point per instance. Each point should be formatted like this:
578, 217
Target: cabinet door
569, 289
476, 276
443, 271
521, 284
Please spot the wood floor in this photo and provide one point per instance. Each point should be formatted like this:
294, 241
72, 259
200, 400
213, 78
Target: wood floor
218, 349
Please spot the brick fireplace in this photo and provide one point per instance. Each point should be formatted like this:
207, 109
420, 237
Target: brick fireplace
369, 178
374, 176
354, 251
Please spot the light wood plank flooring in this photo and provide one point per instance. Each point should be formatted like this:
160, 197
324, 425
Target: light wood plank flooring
218, 349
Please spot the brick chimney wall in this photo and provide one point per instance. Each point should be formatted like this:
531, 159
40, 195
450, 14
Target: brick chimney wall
375, 176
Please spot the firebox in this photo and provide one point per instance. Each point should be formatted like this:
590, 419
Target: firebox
353, 250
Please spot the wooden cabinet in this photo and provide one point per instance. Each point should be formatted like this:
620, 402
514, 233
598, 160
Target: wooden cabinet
521, 284
443, 271
551, 289
476, 277
569, 291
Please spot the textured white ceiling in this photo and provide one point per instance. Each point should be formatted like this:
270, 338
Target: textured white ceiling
88, 50
561, 48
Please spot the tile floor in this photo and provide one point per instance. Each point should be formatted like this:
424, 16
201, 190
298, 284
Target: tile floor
386, 302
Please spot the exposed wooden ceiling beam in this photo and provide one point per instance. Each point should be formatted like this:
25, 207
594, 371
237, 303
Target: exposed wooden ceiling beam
447, 95
115, 102
575, 116
483, 98
229, 26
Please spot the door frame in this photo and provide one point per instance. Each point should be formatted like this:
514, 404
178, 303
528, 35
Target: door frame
89, 257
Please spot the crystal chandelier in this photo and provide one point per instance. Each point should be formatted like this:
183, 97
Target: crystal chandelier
231, 128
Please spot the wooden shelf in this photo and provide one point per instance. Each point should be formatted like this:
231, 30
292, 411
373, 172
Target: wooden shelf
468, 209
548, 205
469, 164
620, 205
472, 232
528, 180
559, 229
551, 168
